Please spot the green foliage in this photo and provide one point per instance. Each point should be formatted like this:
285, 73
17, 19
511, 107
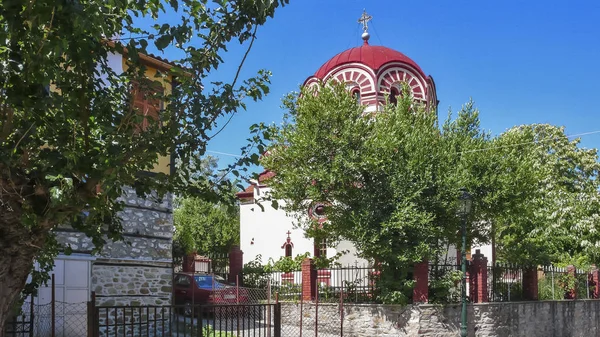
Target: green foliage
209, 331
446, 289
391, 181
205, 227
67, 125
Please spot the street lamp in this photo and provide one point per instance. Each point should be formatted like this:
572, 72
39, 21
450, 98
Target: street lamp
465, 204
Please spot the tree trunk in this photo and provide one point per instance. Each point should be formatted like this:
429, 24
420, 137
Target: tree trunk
14, 270
18, 249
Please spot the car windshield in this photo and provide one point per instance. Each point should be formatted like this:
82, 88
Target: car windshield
206, 282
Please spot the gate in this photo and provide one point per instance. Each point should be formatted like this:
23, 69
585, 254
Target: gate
185, 321
21, 325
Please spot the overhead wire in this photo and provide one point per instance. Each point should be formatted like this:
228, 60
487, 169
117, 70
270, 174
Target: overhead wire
376, 34
527, 143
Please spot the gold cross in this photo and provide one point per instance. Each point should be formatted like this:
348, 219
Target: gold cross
364, 19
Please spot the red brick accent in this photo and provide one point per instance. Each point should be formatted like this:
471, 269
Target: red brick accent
595, 282
478, 278
530, 283
421, 276
236, 263
571, 294
309, 280
189, 263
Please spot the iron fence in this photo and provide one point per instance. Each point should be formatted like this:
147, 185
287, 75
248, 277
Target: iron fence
505, 282
183, 321
444, 283
287, 285
556, 283
356, 284
219, 264
22, 323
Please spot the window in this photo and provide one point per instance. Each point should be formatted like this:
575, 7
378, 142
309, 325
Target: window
146, 101
394, 93
288, 251
320, 248
183, 281
356, 94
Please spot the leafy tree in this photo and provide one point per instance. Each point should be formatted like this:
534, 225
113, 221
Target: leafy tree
377, 173
69, 138
553, 211
205, 227
391, 181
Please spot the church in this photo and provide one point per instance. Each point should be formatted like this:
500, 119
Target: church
370, 73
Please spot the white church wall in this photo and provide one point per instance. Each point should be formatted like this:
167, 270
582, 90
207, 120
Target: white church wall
263, 231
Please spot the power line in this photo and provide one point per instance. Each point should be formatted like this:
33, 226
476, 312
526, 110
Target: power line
376, 34
225, 154
527, 143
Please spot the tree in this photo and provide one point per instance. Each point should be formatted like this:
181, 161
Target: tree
554, 211
392, 179
69, 138
378, 174
205, 227
209, 227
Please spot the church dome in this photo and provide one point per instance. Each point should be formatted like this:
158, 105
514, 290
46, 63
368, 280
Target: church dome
376, 74
374, 57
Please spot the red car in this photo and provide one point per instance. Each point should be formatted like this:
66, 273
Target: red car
204, 289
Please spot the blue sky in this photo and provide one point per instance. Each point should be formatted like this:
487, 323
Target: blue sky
521, 61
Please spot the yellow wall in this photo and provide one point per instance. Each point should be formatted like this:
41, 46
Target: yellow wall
163, 162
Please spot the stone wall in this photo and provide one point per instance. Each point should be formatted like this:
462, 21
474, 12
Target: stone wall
137, 270
126, 283
536, 318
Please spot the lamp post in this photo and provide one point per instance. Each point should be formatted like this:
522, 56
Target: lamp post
465, 204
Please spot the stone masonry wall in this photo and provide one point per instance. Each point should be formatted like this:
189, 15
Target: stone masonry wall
536, 318
124, 283
137, 270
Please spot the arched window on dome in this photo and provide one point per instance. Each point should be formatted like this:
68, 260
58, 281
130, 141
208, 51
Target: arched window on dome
394, 93
356, 94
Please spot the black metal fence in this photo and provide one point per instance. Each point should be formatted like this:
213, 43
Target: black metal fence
505, 283
22, 323
444, 283
219, 264
357, 284
184, 321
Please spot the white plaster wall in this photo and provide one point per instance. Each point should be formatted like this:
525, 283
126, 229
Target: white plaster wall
486, 250
268, 228
263, 232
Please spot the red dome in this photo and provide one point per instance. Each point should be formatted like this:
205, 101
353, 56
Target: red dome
372, 56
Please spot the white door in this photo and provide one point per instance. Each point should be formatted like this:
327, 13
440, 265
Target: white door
72, 278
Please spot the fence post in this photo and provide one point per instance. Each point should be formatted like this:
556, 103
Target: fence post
478, 272
421, 276
309, 279
236, 263
31, 316
571, 294
277, 320
530, 283
91, 316
594, 279
53, 309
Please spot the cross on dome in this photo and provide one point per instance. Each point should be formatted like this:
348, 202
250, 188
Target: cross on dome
364, 20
